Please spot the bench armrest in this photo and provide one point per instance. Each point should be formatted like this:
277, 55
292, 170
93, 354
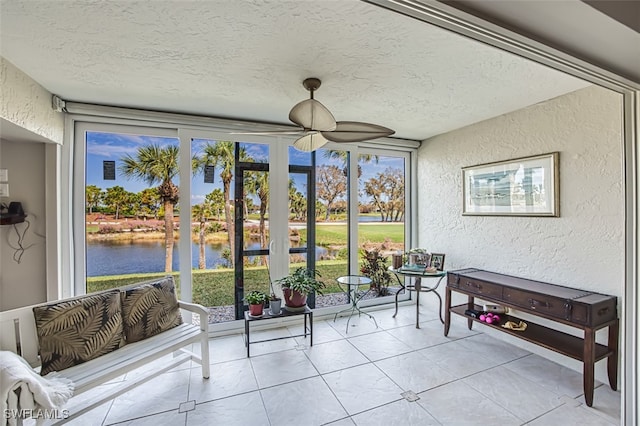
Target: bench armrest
198, 309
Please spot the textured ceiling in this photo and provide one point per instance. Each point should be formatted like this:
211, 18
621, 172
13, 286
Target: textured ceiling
247, 59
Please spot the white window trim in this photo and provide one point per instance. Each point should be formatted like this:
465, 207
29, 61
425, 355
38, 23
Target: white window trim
72, 271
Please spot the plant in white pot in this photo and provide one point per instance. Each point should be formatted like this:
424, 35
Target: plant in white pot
275, 303
297, 286
256, 300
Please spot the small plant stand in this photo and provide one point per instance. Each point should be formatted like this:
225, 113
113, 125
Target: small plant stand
308, 329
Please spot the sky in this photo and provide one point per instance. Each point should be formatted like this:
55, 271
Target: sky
113, 146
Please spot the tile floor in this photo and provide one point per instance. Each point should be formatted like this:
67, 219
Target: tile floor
359, 378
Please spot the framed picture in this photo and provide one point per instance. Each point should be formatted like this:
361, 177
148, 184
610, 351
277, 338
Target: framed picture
419, 259
437, 261
526, 186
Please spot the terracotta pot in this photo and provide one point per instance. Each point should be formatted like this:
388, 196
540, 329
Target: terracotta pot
297, 300
256, 310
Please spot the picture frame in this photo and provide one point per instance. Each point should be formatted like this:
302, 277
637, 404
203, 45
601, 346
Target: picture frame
527, 186
419, 260
437, 261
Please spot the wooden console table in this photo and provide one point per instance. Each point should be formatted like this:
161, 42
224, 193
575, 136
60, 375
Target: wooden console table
585, 310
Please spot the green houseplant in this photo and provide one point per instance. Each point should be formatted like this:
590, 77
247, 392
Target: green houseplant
256, 300
297, 286
375, 267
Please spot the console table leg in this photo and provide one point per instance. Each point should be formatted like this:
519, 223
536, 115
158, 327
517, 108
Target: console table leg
588, 362
470, 305
612, 361
447, 313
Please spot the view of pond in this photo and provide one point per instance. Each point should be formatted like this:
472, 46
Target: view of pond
114, 257
117, 257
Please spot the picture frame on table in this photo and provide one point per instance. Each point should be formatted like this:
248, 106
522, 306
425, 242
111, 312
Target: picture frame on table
437, 261
419, 260
527, 186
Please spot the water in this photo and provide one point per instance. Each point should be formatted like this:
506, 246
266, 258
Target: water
142, 256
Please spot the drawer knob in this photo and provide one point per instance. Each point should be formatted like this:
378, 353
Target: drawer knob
474, 285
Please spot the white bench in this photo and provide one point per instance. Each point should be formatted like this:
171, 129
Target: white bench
18, 334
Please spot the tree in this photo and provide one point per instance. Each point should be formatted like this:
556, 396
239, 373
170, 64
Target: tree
115, 198
93, 196
158, 165
387, 191
331, 184
216, 200
257, 184
200, 213
149, 202
222, 154
343, 156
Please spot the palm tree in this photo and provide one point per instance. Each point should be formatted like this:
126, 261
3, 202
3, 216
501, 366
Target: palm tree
222, 154
343, 156
200, 212
258, 184
158, 165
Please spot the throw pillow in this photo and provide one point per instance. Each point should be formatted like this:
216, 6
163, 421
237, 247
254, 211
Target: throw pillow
75, 331
149, 309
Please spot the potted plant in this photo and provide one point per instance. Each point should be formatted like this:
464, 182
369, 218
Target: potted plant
297, 286
275, 303
374, 266
256, 300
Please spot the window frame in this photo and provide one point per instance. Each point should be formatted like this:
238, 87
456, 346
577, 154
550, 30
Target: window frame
73, 268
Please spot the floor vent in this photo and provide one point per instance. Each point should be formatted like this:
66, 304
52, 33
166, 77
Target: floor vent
410, 396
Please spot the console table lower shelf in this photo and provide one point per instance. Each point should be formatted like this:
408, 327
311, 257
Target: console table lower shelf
555, 340
308, 326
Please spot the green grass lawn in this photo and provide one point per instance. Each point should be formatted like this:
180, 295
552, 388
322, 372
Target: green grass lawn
332, 235
215, 287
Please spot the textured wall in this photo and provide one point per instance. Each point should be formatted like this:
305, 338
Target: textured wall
24, 283
25, 103
584, 247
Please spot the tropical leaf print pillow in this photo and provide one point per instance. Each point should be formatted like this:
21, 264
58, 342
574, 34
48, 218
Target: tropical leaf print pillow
75, 331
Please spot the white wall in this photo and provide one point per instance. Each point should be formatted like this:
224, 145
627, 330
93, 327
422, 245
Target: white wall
584, 247
24, 283
27, 105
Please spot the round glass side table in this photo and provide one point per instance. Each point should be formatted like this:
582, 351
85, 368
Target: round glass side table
353, 282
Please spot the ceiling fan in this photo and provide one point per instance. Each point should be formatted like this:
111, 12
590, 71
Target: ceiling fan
317, 125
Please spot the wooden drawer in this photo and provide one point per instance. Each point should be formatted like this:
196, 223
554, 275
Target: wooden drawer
546, 305
480, 288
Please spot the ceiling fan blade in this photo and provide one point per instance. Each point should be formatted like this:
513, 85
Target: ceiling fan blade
312, 115
355, 131
310, 142
273, 132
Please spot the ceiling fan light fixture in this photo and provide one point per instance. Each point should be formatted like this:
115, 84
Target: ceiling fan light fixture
310, 142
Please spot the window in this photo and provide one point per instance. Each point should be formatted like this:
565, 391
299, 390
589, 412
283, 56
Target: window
138, 219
